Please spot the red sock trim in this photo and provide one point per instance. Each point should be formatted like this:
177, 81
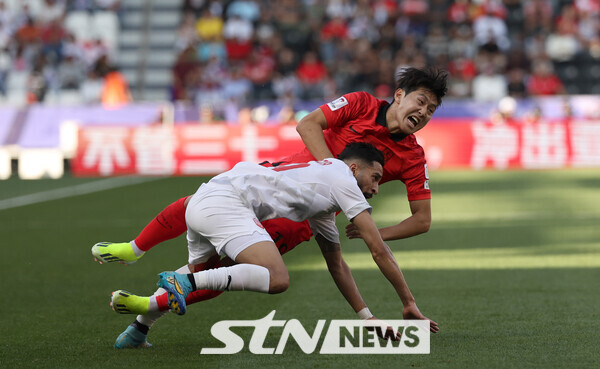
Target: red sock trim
163, 302
201, 295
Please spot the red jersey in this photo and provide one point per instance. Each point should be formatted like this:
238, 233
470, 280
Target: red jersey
359, 116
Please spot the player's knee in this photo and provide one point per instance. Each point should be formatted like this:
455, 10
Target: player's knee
280, 280
279, 286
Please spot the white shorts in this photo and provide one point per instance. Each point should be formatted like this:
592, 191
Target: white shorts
219, 222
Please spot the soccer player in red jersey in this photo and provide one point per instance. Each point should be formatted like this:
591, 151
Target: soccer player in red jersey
356, 116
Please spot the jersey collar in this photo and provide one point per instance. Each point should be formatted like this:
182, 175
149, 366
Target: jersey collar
380, 119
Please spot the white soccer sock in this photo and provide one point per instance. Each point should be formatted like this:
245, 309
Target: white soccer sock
153, 313
153, 305
136, 250
240, 277
150, 318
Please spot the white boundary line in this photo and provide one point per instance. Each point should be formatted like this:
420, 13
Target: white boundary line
71, 191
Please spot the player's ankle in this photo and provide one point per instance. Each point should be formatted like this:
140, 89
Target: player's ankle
142, 328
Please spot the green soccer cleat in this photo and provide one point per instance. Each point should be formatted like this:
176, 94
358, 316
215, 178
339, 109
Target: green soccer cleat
124, 302
108, 252
131, 338
178, 288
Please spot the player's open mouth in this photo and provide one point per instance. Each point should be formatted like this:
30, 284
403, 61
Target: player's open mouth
413, 120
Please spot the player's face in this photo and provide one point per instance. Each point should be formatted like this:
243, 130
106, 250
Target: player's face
368, 177
410, 112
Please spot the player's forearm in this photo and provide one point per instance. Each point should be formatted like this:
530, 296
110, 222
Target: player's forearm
340, 272
345, 283
314, 140
383, 256
387, 264
311, 129
419, 222
411, 226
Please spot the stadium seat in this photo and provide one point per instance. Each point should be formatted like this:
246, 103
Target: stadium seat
132, 4
573, 88
161, 60
133, 20
70, 97
105, 20
159, 77
105, 25
16, 97
16, 5
78, 23
130, 39
51, 98
129, 58
17, 80
131, 75
163, 39
595, 89
156, 94
595, 71
166, 19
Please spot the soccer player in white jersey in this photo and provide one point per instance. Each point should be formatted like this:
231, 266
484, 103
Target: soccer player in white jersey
224, 216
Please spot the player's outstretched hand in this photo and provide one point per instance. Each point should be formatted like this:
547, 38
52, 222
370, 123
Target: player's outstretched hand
382, 329
352, 231
412, 312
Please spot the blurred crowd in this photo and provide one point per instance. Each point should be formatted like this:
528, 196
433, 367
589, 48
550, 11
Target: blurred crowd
248, 50
39, 53
243, 51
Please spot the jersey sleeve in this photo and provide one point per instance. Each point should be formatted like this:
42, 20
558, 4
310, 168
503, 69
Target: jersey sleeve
344, 109
417, 187
349, 197
325, 226
416, 177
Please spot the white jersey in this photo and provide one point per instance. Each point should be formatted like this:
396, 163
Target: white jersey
314, 191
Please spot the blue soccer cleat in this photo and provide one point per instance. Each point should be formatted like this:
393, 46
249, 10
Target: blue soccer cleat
131, 338
178, 288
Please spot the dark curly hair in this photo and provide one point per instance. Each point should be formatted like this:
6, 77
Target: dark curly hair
363, 151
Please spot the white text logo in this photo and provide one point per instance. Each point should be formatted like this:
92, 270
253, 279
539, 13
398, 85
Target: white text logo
341, 336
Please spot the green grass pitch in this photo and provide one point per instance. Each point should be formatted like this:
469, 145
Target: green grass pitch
510, 270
